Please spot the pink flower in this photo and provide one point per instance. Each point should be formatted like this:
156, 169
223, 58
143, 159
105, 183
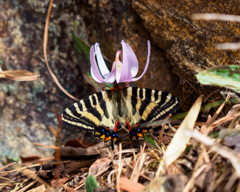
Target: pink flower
124, 71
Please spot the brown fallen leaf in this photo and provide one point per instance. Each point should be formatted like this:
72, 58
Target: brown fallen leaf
40, 188
97, 149
99, 165
104, 190
172, 170
19, 75
59, 182
173, 183
130, 186
29, 158
46, 174
125, 161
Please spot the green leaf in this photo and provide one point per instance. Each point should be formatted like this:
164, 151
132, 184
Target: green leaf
149, 139
81, 47
227, 76
91, 184
15, 159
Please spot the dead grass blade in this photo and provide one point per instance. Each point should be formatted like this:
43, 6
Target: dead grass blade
212, 16
40, 188
195, 174
33, 175
227, 46
138, 166
180, 140
220, 17
119, 167
210, 121
19, 75
221, 120
6, 166
222, 150
45, 39
27, 186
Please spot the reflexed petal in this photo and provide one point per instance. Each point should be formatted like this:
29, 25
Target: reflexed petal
93, 76
94, 68
101, 63
147, 63
111, 78
131, 57
126, 75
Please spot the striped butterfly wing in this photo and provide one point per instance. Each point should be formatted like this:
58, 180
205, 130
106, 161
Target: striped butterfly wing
150, 105
92, 113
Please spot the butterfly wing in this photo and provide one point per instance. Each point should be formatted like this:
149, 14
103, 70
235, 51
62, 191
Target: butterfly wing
92, 113
149, 105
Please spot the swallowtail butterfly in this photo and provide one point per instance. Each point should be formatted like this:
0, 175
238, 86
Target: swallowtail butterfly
102, 112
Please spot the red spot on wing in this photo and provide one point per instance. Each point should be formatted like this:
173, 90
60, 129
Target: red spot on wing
129, 128
116, 125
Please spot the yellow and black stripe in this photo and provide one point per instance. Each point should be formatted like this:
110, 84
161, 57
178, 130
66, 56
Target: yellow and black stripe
100, 112
152, 104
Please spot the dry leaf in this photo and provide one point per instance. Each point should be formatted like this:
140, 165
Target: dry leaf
19, 75
130, 186
99, 165
40, 188
180, 140
59, 182
125, 161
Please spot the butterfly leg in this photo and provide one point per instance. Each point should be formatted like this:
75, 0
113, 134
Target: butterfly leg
135, 133
106, 134
132, 133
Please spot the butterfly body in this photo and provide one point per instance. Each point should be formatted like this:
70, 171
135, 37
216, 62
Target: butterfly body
105, 112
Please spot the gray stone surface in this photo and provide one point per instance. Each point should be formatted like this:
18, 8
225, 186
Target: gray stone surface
25, 113
26, 106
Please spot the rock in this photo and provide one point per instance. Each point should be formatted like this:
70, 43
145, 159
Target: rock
109, 22
25, 106
188, 44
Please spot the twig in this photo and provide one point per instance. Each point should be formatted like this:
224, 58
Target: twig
119, 167
27, 186
217, 112
7, 166
195, 174
46, 146
45, 39
142, 157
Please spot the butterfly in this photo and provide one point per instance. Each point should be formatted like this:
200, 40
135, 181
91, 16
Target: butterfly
105, 112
